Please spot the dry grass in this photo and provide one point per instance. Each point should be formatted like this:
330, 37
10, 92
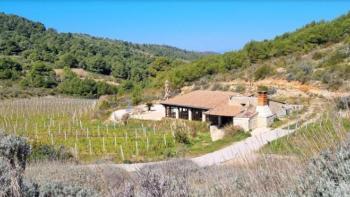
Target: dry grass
177, 178
312, 138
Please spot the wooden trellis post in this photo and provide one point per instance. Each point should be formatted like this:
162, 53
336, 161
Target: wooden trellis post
122, 152
52, 142
90, 147
103, 144
36, 131
164, 140
115, 142
76, 150
137, 148
147, 144
98, 131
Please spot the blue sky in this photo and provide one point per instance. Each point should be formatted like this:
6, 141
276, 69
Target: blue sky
205, 25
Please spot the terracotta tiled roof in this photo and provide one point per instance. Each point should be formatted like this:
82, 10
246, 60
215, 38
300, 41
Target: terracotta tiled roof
248, 113
226, 110
201, 99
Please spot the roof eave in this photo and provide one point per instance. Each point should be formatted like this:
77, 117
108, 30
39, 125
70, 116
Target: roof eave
188, 106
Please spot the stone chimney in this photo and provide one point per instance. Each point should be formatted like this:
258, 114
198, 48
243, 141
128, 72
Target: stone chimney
265, 115
262, 98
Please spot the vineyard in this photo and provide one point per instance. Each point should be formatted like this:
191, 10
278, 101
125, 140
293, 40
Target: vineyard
69, 122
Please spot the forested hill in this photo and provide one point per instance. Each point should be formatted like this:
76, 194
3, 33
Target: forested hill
317, 52
31, 56
31, 41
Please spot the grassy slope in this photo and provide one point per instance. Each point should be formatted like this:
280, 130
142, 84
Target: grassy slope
203, 143
311, 138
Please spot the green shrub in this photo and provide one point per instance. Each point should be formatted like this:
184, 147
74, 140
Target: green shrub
262, 72
333, 82
9, 69
327, 174
14, 152
127, 85
335, 58
40, 76
48, 152
219, 87
301, 72
317, 55
262, 88
136, 95
64, 189
240, 88
14, 149
181, 136
169, 152
231, 130
85, 87
343, 103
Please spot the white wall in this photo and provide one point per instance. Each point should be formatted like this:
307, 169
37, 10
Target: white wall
244, 123
253, 122
263, 122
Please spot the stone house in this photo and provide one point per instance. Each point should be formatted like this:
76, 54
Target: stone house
223, 107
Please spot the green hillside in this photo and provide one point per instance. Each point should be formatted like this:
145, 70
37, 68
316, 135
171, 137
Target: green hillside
318, 51
25, 44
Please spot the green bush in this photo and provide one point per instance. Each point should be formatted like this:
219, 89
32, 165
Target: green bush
48, 152
240, 88
85, 87
231, 130
182, 136
343, 103
64, 189
14, 152
317, 56
327, 174
127, 85
262, 88
335, 58
40, 76
333, 82
262, 72
9, 69
136, 95
169, 152
301, 72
